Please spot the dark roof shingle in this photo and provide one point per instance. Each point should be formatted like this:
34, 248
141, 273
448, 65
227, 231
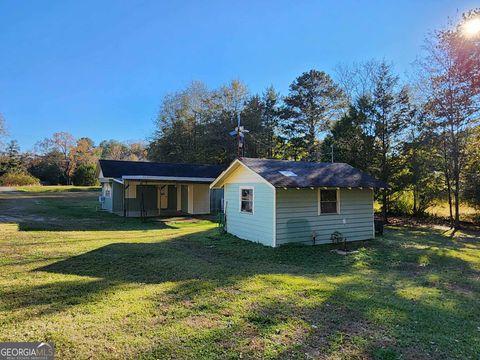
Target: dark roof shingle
311, 174
119, 168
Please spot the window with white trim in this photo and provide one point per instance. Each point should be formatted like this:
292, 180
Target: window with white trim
107, 189
328, 201
246, 200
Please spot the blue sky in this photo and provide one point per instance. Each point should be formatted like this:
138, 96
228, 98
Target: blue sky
100, 68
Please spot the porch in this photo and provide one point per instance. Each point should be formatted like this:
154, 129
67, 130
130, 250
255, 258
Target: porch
148, 198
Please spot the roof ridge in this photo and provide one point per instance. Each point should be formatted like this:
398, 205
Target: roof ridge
296, 161
159, 163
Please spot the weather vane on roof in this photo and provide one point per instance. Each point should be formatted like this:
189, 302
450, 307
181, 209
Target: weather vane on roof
239, 132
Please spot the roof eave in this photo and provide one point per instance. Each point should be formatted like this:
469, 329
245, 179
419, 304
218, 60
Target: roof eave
328, 187
168, 178
218, 182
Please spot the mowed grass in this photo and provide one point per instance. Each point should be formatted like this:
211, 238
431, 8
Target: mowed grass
100, 286
56, 188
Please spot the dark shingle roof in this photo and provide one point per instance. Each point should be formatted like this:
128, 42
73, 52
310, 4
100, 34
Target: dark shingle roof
119, 168
311, 174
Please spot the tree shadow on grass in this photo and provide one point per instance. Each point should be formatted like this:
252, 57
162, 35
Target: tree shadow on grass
359, 322
434, 238
203, 256
392, 298
68, 212
102, 222
352, 320
41, 300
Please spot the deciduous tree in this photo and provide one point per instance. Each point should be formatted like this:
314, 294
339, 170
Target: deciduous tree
450, 80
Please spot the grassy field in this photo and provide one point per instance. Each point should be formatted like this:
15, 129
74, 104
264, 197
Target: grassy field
440, 210
57, 188
467, 213
100, 286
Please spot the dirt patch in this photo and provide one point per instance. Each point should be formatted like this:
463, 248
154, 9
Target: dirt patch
331, 332
20, 207
200, 322
24, 218
461, 289
6, 189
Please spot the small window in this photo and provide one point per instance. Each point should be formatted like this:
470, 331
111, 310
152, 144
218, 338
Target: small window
246, 200
328, 202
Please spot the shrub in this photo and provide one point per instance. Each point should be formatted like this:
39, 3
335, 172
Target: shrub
401, 203
18, 178
336, 237
85, 175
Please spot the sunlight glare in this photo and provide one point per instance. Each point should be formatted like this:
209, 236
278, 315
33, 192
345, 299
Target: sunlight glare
472, 27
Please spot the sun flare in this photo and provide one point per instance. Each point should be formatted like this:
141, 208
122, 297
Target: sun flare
472, 27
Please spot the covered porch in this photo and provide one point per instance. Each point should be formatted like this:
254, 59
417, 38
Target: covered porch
149, 189
147, 198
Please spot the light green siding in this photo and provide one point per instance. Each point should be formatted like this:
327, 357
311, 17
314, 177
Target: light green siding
117, 197
297, 216
258, 226
107, 204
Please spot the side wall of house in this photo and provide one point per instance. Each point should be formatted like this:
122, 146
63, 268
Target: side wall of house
257, 226
297, 216
201, 199
107, 203
117, 198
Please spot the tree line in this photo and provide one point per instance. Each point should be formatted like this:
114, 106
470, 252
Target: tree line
421, 136
62, 159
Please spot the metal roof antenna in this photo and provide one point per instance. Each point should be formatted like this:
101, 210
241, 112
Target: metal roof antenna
239, 133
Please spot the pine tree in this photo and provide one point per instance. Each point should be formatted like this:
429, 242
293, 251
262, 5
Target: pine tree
350, 138
313, 102
12, 159
270, 122
390, 113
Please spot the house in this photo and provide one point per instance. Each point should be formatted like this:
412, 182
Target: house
139, 188
275, 202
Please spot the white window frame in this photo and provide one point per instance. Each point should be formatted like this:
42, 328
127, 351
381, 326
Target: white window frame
240, 199
319, 202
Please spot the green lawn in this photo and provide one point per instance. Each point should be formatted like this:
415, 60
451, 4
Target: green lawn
102, 287
56, 188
